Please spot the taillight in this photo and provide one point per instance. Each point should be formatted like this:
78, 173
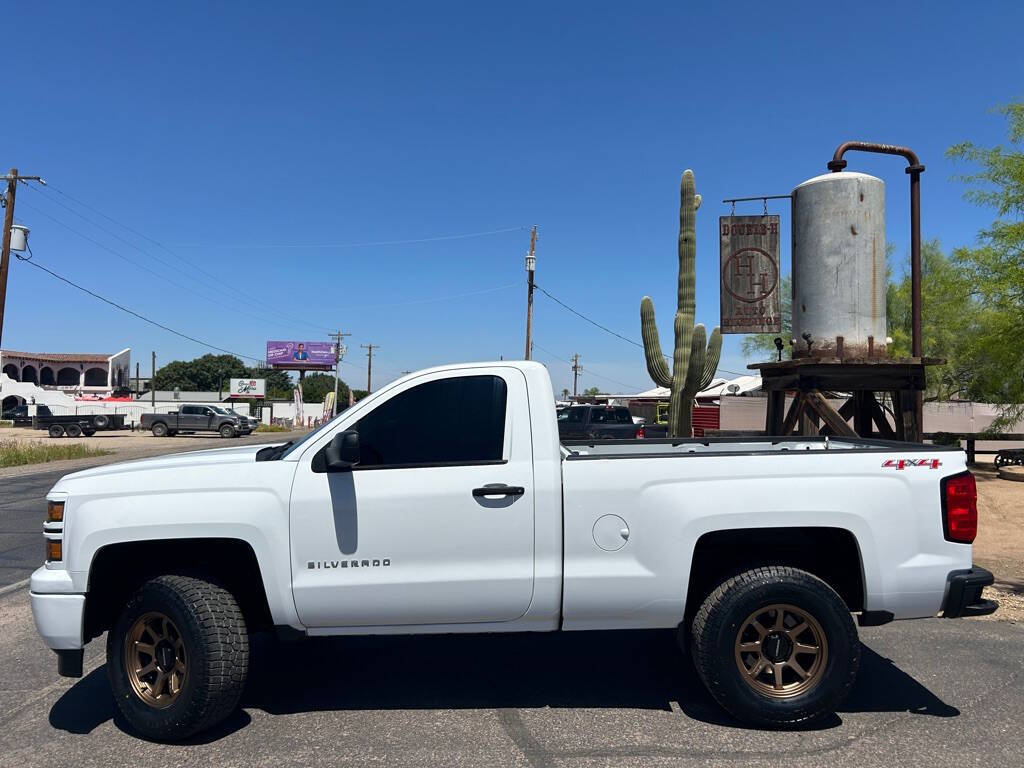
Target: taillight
960, 508
640, 434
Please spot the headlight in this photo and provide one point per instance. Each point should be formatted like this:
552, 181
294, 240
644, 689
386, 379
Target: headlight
55, 512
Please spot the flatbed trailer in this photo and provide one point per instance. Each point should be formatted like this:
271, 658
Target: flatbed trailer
87, 424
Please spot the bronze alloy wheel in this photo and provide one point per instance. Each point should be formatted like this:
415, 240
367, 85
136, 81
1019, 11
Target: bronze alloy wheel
781, 651
155, 660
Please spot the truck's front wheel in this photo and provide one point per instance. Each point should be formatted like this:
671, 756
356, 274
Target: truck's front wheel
776, 646
177, 657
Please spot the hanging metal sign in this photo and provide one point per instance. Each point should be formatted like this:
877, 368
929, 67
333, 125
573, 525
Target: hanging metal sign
750, 274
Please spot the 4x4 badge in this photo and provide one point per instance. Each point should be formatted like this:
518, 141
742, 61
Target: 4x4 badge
904, 463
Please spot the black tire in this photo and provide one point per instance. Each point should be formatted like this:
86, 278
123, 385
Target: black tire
56, 430
159, 429
216, 645
719, 624
226, 430
89, 432
101, 421
74, 430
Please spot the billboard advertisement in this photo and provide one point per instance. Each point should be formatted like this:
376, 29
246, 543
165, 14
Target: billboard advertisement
248, 388
300, 354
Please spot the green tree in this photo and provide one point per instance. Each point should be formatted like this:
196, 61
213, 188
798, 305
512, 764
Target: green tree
210, 373
951, 320
315, 387
591, 392
993, 270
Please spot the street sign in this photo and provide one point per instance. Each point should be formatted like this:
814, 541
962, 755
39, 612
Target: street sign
750, 274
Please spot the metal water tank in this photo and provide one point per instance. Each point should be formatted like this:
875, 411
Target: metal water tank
839, 266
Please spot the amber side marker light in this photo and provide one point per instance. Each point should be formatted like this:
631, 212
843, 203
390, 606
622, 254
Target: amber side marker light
55, 512
53, 550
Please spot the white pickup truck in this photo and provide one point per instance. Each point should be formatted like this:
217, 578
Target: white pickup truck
445, 503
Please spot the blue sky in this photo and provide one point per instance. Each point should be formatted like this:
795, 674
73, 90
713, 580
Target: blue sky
252, 140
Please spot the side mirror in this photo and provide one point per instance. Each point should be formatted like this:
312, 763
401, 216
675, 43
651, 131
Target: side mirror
342, 453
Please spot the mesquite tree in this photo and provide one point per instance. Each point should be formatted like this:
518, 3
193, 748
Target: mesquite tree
693, 363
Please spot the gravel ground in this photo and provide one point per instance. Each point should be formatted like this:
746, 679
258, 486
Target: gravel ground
125, 445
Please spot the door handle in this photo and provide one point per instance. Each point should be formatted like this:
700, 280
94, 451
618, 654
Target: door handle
499, 490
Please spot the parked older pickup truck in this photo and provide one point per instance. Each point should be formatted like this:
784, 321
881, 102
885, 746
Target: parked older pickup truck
195, 418
759, 552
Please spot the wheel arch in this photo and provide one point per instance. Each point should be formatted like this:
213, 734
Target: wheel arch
833, 554
118, 569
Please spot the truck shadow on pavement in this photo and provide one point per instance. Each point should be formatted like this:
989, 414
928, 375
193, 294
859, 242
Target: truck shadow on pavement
632, 670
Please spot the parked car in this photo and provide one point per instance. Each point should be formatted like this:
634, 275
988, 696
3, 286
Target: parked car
605, 422
19, 414
757, 551
194, 418
247, 421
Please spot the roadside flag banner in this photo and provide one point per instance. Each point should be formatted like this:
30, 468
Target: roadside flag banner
328, 406
299, 420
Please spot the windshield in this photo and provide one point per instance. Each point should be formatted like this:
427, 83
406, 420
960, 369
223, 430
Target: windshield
221, 411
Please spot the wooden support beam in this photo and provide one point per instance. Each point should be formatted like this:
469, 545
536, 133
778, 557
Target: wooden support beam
795, 409
836, 423
878, 415
776, 412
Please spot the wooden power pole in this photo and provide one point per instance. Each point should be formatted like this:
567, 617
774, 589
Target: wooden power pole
577, 369
5, 254
531, 265
369, 363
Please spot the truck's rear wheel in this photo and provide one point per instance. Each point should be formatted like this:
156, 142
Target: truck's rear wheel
74, 430
56, 430
101, 421
159, 429
227, 431
776, 646
177, 657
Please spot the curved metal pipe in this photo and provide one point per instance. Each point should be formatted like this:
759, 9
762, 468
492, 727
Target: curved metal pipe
915, 168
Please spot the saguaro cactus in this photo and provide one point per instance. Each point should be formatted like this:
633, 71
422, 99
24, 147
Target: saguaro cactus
693, 363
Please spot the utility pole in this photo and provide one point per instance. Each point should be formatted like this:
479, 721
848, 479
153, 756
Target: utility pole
577, 369
369, 362
137, 390
12, 179
152, 385
339, 353
531, 265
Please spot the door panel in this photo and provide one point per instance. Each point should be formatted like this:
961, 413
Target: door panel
406, 545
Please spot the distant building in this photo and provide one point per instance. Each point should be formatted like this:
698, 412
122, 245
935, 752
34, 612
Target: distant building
74, 373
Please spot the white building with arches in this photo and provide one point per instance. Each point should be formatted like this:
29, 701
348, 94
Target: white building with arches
71, 374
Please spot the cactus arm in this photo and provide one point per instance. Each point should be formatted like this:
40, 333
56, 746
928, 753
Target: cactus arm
656, 366
714, 354
695, 369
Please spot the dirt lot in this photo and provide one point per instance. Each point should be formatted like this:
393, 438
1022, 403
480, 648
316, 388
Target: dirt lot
125, 445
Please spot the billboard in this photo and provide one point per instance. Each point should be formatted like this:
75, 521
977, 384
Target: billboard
300, 354
248, 388
750, 274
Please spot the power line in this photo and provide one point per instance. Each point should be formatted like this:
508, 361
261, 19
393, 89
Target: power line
132, 312
613, 333
356, 245
245, 298
549, 353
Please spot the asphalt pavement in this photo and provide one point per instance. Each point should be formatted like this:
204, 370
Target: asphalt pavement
930, 693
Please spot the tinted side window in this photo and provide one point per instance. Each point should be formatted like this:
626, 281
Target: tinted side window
622, 416
188, 410
452, 421
576, 415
